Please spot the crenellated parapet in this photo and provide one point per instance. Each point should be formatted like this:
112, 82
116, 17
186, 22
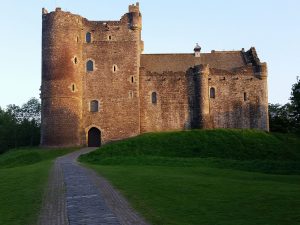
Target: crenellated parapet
96, 84
135, 17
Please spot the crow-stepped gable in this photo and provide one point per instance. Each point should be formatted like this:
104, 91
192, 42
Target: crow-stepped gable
97, 86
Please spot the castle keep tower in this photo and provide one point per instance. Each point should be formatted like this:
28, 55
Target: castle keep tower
61, 90
97, 86
90, 78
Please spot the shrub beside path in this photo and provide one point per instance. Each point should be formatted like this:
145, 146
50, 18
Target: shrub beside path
78, 196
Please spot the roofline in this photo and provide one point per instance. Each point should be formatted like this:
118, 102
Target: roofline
212, 52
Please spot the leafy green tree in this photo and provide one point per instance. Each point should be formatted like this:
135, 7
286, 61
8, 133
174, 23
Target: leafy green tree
32, 110
295, 105
15, 111
20, 126
280, 118
7, 131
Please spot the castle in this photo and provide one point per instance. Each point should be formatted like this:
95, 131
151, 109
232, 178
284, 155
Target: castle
97, 86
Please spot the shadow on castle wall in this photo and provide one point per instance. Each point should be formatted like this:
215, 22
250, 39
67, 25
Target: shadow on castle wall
64, 127
222, 114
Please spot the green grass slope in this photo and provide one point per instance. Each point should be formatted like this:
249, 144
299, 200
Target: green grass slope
214, 177
249, 150
23, 177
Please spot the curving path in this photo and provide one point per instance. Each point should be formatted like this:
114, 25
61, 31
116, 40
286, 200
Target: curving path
78, 196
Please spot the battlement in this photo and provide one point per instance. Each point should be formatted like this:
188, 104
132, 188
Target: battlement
58, 12
134, 7
97, 86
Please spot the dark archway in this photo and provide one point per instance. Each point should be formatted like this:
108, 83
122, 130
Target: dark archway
94, 137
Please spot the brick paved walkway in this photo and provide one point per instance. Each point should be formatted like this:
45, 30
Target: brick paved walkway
78, 196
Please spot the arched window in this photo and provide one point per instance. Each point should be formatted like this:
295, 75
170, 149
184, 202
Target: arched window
75, 60
94, 106
89, 66
154, 98
212, 93
88, 37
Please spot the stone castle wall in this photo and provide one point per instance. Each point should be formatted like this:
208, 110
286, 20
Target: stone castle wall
61, 103
240, 100
114, 83
123, 81
171, 112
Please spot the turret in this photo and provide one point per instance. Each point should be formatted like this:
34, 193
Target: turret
198, 96
263, 76
61, 90
135, 17
203, 72
263, 71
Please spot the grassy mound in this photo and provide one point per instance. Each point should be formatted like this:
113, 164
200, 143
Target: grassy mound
24, 174
249, 150
206, 177
28, 156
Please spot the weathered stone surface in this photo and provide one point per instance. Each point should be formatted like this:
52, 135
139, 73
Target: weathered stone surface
123, 80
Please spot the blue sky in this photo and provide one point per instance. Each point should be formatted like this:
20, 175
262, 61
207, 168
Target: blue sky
169, 26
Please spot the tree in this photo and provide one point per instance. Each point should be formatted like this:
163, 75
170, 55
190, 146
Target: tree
286, 118
280, 118
20, 126
7, 131
32, 110
15, 111
295, 105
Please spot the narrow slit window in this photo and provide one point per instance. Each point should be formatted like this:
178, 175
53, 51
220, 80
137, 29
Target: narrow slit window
245, 96
94, 106
109, 37
154, 98
77, 39
75, 60
73, 87
89, 66
115, 68
132, 79
212, 93
88, 37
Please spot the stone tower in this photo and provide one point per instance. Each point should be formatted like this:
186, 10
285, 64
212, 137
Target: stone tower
61, 90
86, 62
97, 86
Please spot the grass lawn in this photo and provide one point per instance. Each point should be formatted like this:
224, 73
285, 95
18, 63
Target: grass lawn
190, 178
23, 176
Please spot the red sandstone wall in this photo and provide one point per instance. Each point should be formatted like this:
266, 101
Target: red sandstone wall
180, 102
67, 88
118, 96
61, 104
124, 95
229, 109
172, 110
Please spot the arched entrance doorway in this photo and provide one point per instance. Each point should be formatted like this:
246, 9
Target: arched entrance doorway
94, 137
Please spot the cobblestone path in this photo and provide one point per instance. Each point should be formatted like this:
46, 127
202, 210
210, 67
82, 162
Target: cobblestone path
78, 196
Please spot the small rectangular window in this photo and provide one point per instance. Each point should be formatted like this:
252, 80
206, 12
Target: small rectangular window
88, 37
212, 93
154, 98
94, 106
245, 96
